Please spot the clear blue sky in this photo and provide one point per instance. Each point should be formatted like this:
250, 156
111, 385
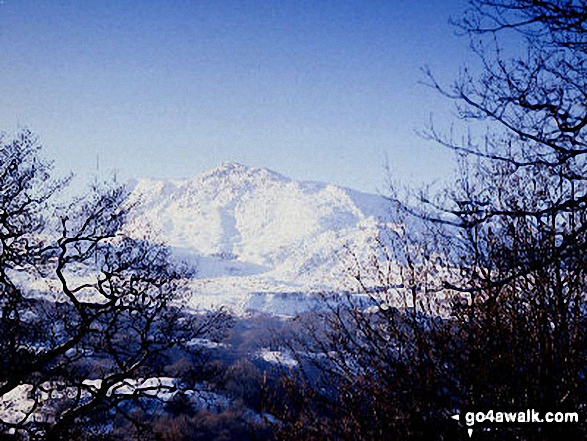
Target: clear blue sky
317, 90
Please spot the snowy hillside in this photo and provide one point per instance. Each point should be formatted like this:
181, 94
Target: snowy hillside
254, 233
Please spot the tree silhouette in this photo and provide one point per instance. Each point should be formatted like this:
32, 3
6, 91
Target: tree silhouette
89, 315
502, 253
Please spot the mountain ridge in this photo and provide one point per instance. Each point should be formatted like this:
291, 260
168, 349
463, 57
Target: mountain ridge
251, 229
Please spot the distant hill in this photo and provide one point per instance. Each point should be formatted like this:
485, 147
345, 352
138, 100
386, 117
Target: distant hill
252, 231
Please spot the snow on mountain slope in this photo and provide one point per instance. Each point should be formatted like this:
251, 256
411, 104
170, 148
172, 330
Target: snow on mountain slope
252, 230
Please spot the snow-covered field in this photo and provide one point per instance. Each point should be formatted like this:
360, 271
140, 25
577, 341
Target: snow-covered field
25, 404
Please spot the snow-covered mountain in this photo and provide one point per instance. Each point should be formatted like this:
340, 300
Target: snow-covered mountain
257, 235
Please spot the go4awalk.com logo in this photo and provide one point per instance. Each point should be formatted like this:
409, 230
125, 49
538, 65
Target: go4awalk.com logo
494, 418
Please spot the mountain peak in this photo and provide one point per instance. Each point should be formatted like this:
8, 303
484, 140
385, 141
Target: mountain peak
229, 167
253, 231
235, 171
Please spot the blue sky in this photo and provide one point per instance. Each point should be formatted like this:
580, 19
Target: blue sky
315, 90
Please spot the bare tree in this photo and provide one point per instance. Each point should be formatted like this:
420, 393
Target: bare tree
505, 249
376, 362
89, 315
519, 205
